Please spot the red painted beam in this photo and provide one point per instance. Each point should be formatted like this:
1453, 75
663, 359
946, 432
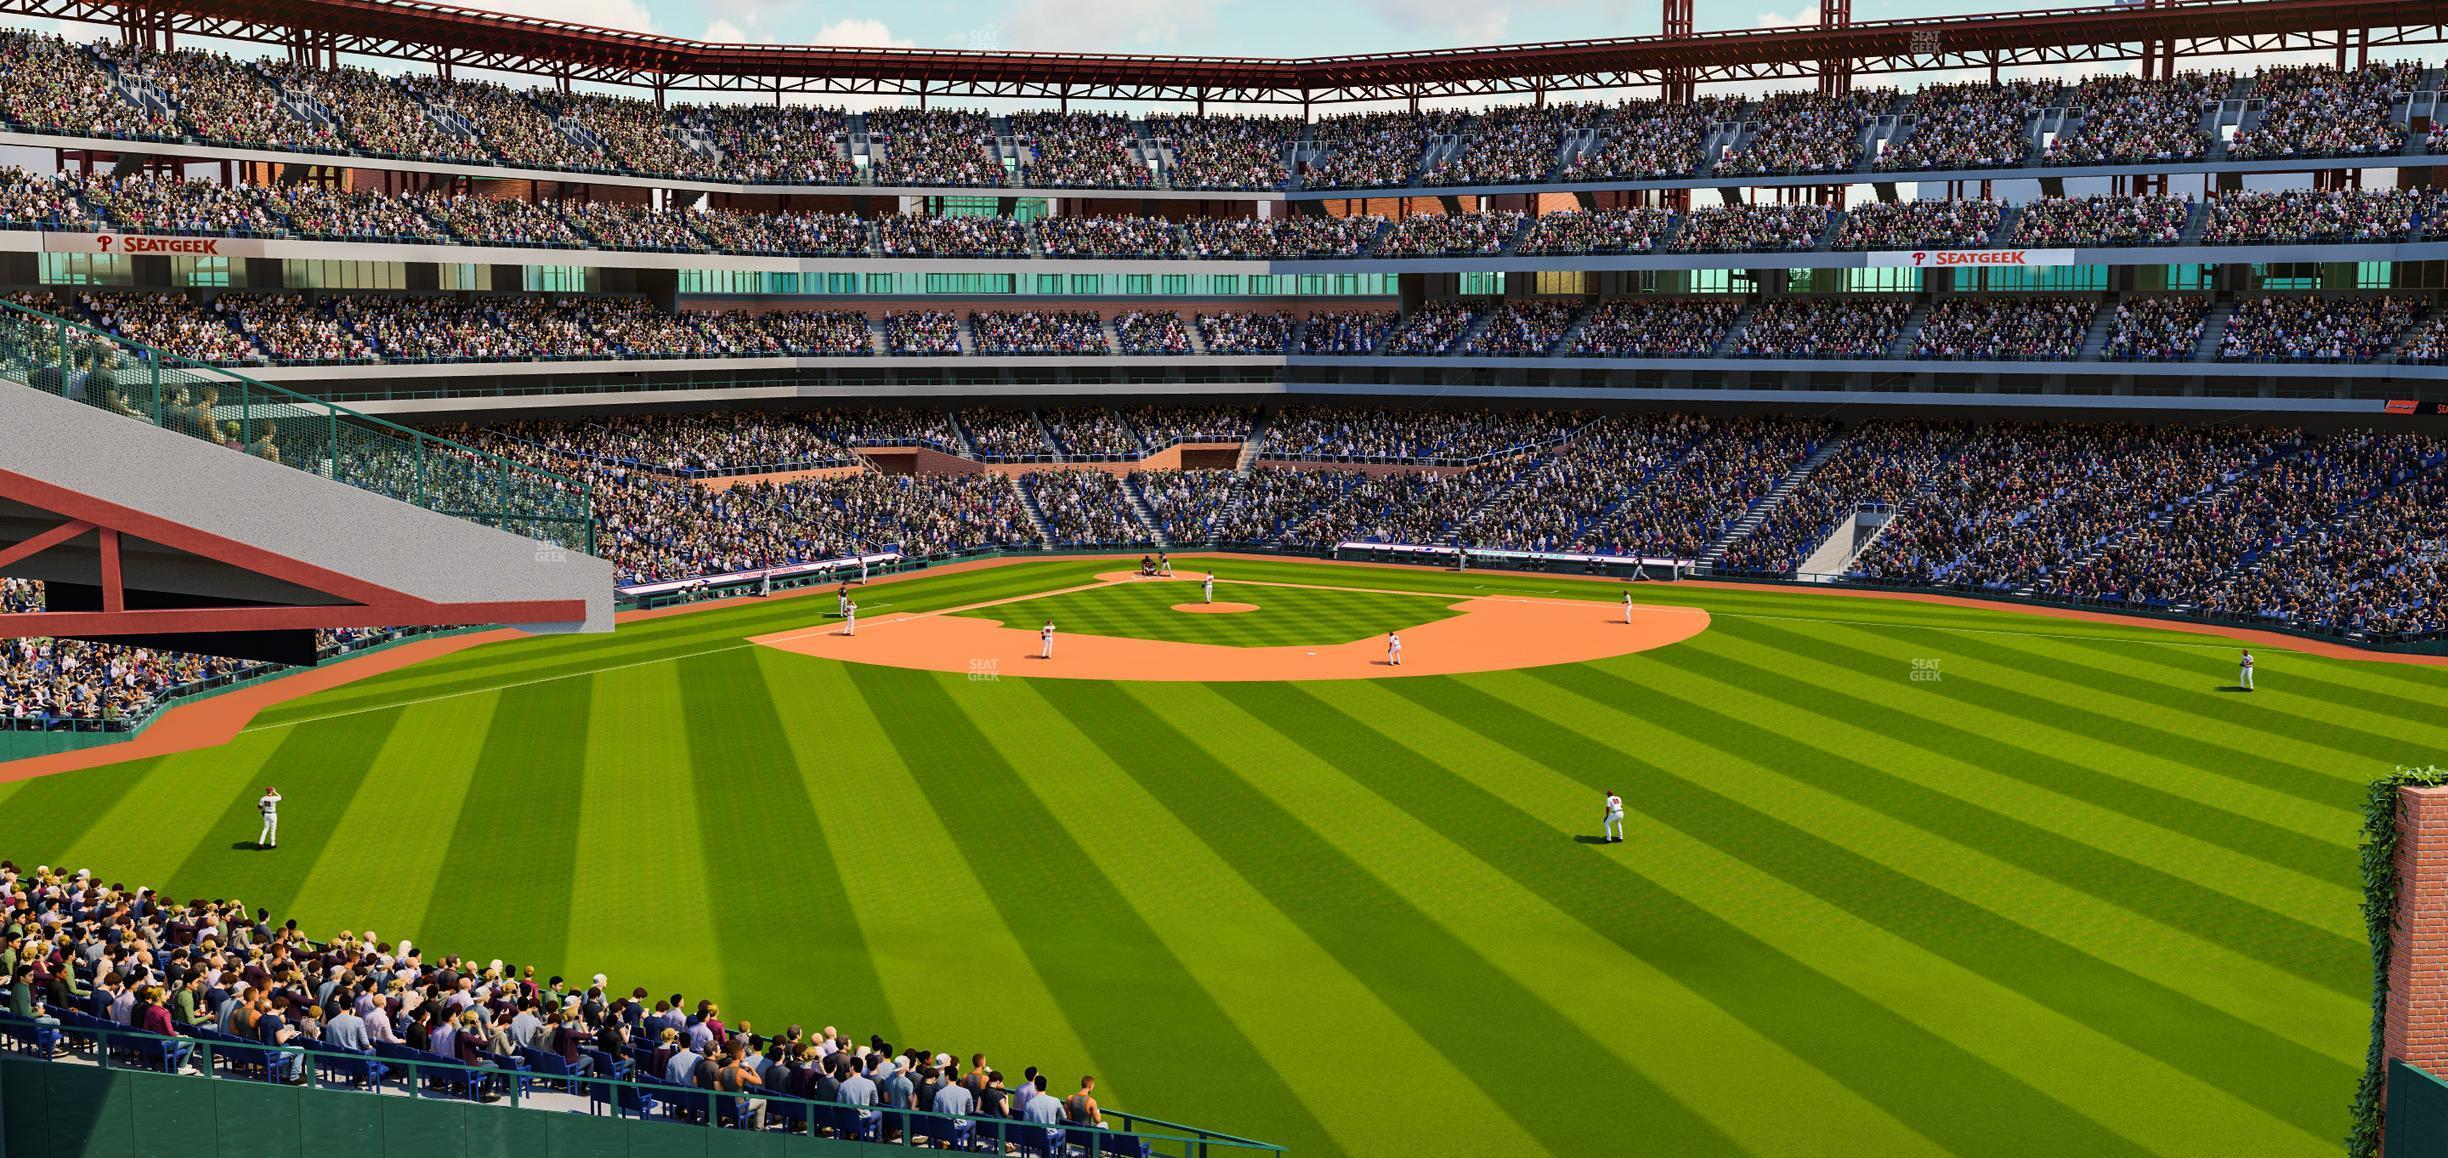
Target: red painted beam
29, 548
210, 619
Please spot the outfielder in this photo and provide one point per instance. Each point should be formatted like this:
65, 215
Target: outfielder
269, 805
1045, 641
1393, 649
1627, 607
2244, 671
1613, 832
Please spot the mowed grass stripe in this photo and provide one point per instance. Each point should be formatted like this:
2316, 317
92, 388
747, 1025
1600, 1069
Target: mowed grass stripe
1856, 1043
355, 883
1121, 984
2277, 822
1886, 657
318, 773
515, 832
1241, 949
1721, 713
1917, 731
756, 822
162, 797
2267, 1070
2306, 696
1442, 985
2196, 699
1690, 1053
1286, 616
643, 913
923, 914
2067, 1067
1984, 859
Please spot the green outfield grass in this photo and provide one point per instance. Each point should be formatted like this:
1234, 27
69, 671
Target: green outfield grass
1286, 615
2065, 894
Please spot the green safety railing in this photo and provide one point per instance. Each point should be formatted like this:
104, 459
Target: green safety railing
83, 364
109, 1046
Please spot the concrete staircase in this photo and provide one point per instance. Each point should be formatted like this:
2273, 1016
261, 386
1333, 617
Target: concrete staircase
1775, 497
2214, 331
1146, 514
1249, 448
1035, 513
1902, 347
2095, 339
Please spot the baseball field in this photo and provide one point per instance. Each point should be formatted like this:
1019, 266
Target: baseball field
1901, 877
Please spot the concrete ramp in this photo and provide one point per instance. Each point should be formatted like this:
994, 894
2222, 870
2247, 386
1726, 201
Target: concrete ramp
144, 532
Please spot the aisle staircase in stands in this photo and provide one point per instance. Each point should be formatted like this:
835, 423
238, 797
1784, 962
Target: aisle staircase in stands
1906, 334
1775, 497
2162, 515
1146, 514
2213, 332
2103, 327
1035, 513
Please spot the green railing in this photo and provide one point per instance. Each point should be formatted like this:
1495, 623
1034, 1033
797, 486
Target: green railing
661, 1117
83, 364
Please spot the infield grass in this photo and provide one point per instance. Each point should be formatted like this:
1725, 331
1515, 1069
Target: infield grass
1286, 614
2062, 894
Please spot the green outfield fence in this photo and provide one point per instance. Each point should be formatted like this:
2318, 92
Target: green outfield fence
2417, 1113
83, 364
93, 1101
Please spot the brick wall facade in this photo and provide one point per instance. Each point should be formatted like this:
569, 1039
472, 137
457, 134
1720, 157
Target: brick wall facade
2416, 1027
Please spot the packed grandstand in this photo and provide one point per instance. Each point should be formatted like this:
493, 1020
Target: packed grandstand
2340, 532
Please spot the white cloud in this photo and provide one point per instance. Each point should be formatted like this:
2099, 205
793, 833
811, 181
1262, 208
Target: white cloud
853, 32
725, 32
1802, 18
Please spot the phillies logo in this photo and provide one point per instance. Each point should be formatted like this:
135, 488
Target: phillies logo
208, 246
105, 240
1919, 257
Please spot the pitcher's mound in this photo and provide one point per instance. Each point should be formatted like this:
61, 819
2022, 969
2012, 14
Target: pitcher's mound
1215, 608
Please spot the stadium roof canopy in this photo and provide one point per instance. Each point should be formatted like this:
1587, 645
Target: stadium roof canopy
450, 37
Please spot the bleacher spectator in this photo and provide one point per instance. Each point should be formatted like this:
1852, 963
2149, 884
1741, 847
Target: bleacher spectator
1814, 327
1751, 227
1079, 150
1525, 329
1038, 332
1930, 224
2307, 215
1372, 150
1979, 125
1084, 508
1256, 237
1432, 329
1511, 144
1110, 237
782, 234
900, 235
1879, 469
1225, 152
1152, 332
1005, 435
36, 201
2315, 110
1415, 437
1347, 331
2158, 329
2004, 328
1631, 230
2127, 118
2312, 328
1451, 235
1090, 433
2102, 219
775, 145
924, 332
1652, 139
1163, 426
1656, 328
1804, 132
1185, 503
932, 147
1235, 332
290, 331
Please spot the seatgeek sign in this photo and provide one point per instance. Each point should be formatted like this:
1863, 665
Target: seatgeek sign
152, 245
1969, 258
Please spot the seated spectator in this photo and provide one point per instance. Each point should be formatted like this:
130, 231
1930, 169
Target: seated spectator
2102, 220
932, 147
1656, 328
290, 331
1185, 503
2306, 215
147, 204
376, 116
1881, 467
1525, 329
1163, 426
1753, 227
1084, 433
1079, 150
2126, 118
637, 137
483, 220
1261, 237
2320, 111
1346, 331
1918, 225
782, 234
48, 84
1038, 332
172, 323
905, 236
1110, 237
36, 201
1812, 327
1225, 152
1005, 436
2160, 329
1979, 125
1436, 437
1433, 328
1451, 235
1143, 332
1372, 150
1805, 132
1632, 230
932, 332
1084, 508
2310, 328
1245, 333
2004, 328
773, 145
615, 225
360, 215
1647, 139
1511, 144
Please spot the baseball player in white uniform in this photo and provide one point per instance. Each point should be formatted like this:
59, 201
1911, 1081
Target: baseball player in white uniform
2244, 671
1210, 586
269, 805
1164, 565
850, 617
1627, 607
1613, 832
1393, 649
1045, 641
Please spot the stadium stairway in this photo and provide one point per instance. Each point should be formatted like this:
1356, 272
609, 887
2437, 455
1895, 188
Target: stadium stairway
2095, 339
2214, 332
2008, 218
1480, 320
1902, 346
1045, 434
1029, 507
960, 330
1572, 333
1775, 497
1250, 445
2197, 220
1140, 510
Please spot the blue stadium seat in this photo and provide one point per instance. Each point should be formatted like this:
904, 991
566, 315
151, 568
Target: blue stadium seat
349, 1067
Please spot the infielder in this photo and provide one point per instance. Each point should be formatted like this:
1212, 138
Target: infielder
841, 601
269, 805
1393, 649
1210, 587
1613, 832
850, 617
1627, 607
2244, 671
1045, 641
